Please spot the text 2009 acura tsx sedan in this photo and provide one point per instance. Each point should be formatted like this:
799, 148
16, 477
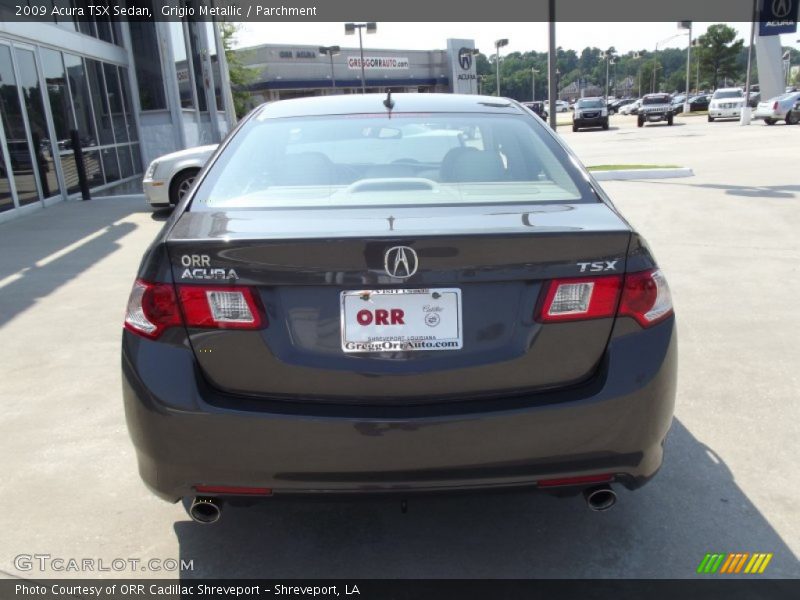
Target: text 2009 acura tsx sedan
416, 293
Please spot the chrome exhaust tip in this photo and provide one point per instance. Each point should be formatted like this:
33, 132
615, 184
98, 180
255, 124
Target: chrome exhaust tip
600, 498
205, 510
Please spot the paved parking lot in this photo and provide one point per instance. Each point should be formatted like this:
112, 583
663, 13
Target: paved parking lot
728, 241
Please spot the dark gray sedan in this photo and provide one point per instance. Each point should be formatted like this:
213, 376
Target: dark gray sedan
418, 293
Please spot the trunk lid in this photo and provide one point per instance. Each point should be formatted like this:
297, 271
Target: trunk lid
497, 258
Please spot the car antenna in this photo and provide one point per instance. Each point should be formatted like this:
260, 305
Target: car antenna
389, 103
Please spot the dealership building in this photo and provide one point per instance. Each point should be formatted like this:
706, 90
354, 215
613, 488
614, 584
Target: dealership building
131, 90
292, 71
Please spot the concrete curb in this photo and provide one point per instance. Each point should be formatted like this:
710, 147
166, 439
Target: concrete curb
625, 174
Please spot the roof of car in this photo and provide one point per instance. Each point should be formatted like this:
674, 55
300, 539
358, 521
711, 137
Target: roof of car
374, 103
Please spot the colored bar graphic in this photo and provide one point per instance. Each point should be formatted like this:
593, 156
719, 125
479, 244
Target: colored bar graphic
734, 562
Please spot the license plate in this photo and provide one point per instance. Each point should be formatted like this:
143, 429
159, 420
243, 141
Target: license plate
401, 320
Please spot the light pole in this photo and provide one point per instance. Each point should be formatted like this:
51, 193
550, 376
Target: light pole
497, 45
636, 57
331, 51
608, 56
350, 29
534, 71
655, 56
688, 26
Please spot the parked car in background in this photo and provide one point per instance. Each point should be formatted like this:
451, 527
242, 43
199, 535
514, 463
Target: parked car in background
631, 108
755, 98
777, 109
169, 177
655, 108
616, 105
726, 103
562, 106
281, 341
793, 118
699, 103
590, 112
540, 108
677, 103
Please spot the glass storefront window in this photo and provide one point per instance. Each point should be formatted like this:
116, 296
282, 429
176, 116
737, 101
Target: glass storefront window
110, 164
17, 146
94, 168
149, 75
125, 164
181, 64
195, 32
212, 52
102, 114
115, 102
34, 106
133, 135
81, 103
55, 78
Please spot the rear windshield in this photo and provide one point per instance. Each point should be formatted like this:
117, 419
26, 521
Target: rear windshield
589, 104
656, 100
400, 159
730, 94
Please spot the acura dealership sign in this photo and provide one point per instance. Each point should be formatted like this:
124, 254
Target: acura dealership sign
777, 16
461, 60
378, 62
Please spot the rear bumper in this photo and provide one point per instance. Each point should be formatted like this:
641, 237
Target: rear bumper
187, 434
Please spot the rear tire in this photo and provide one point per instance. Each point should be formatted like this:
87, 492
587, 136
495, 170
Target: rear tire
792, 118
605, 124
181, 184
770, 121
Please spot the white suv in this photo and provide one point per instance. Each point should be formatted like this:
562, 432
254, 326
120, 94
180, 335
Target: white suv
726, 103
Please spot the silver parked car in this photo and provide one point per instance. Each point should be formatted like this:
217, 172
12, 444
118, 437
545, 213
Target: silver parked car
778, 109
169, 177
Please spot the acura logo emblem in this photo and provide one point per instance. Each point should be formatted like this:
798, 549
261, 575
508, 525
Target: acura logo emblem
781, 8
465, 58
401, 262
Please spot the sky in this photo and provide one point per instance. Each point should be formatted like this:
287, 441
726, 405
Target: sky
522, 36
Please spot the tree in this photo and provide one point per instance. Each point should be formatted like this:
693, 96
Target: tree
240, 75
719, 52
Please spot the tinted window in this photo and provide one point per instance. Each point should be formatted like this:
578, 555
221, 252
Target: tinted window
589, 104
408, 159
656, 100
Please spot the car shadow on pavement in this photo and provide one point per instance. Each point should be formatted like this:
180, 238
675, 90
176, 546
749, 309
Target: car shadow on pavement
41, 252
161, 214
747, 191
663, 530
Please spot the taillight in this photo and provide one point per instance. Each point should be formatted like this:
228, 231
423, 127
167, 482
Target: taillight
152, 308
223, 307
775, 106
646, 297
580, 299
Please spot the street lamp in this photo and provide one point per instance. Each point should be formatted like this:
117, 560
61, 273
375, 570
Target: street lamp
331, 51
350, 29
608, 56
497, 45
687, 25
534, 71
636, 57
655, 55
